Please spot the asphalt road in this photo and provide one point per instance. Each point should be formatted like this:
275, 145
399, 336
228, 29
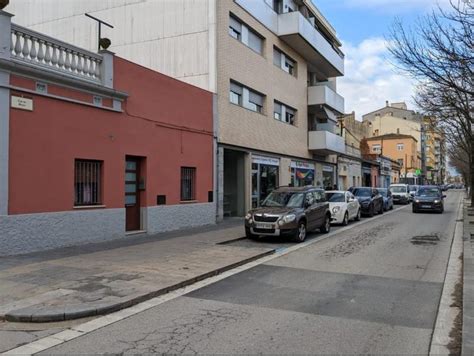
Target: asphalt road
371, 289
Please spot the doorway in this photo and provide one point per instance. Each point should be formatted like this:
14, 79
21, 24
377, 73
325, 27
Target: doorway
264, 179
234, 183
132, 194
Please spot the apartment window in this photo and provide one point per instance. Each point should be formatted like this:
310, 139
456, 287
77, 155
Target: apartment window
284, 113
400, 146
376, 148
236, 92
235, 28
87, 182
278, 6
281, 60
188, 183
245, 34
246, 97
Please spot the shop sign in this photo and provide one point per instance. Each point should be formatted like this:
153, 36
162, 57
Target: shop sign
22, 103
302, 165
266, 160
328, 169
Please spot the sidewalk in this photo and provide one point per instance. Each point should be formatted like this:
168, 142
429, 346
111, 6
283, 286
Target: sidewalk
468, 285
98, 279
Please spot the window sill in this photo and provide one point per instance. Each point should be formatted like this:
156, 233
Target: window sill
243, 107
188, 202
87, 207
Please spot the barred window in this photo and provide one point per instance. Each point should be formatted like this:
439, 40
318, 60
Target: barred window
188, 183
87, 182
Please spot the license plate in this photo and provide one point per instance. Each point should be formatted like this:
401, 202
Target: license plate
263, 226
426, 206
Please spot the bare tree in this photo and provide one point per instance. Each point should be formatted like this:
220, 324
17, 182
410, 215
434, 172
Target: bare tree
439, 53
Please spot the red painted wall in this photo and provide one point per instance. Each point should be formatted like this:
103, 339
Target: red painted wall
164, 120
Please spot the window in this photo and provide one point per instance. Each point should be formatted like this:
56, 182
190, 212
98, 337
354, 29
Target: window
236, 92
284, 113
87, 182
188, 183
241, 32
278, 6
400, 146
245, 97
235, 28
376, 148
281, 60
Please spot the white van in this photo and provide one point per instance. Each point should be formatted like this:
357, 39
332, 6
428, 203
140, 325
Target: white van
401, 193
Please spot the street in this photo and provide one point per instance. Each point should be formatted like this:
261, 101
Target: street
374, 288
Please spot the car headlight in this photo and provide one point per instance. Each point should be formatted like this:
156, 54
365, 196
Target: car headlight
437, 201
336, 209
417, 201
248, 216
288, 218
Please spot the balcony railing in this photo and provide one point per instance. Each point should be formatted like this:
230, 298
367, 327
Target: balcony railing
325, 142
50, 54
322, 94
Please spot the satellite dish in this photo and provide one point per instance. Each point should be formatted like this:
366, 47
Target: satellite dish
104, 43
4, 3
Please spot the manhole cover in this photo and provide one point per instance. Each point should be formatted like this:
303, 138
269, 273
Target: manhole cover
425, 240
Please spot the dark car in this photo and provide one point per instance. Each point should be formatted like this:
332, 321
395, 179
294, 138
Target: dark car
291, 212
371, 202
428, 198
387, 198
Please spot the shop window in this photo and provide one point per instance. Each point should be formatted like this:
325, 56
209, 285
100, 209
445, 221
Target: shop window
188, 183
87, 182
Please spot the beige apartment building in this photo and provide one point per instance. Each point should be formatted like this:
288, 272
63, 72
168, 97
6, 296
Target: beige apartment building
272, 65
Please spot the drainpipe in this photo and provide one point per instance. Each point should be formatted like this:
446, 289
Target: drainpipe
5, 40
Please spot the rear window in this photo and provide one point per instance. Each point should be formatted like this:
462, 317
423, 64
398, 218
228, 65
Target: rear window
399, 189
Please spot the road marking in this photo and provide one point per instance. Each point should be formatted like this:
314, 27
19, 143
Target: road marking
446, 313
103, 321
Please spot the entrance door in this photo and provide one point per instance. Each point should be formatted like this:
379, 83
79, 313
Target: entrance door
132, 195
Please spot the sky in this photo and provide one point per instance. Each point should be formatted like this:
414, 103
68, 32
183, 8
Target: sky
363, 27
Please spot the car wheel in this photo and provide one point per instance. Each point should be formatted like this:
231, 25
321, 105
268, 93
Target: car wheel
382, 210
391, 207
371, 211
346, 219
414, 210
327, 225
300, 235
357, 218
249, 235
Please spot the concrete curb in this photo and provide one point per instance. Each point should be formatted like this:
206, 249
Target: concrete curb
468, 286
34, 315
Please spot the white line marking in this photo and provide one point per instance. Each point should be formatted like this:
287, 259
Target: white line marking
90, 326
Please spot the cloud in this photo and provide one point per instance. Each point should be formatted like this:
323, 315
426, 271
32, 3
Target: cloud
370, 79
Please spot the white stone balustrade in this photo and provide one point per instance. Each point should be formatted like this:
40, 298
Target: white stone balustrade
43, 51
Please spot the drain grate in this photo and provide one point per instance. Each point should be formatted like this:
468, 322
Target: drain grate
425, 240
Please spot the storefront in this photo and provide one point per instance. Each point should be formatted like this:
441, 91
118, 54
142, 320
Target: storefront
265, 177
302, 173
328, 176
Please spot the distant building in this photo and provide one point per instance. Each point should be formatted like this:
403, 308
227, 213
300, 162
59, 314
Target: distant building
400, 148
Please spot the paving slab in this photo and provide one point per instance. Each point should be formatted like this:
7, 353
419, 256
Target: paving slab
100, 281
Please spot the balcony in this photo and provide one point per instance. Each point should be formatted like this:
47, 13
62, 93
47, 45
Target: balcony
325, 143
302, 36
322, 94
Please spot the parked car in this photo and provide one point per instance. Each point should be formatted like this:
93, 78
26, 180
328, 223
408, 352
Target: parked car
371, 202
400, 193
343, 206
412, 189
387, 198
290, 211
429, 198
